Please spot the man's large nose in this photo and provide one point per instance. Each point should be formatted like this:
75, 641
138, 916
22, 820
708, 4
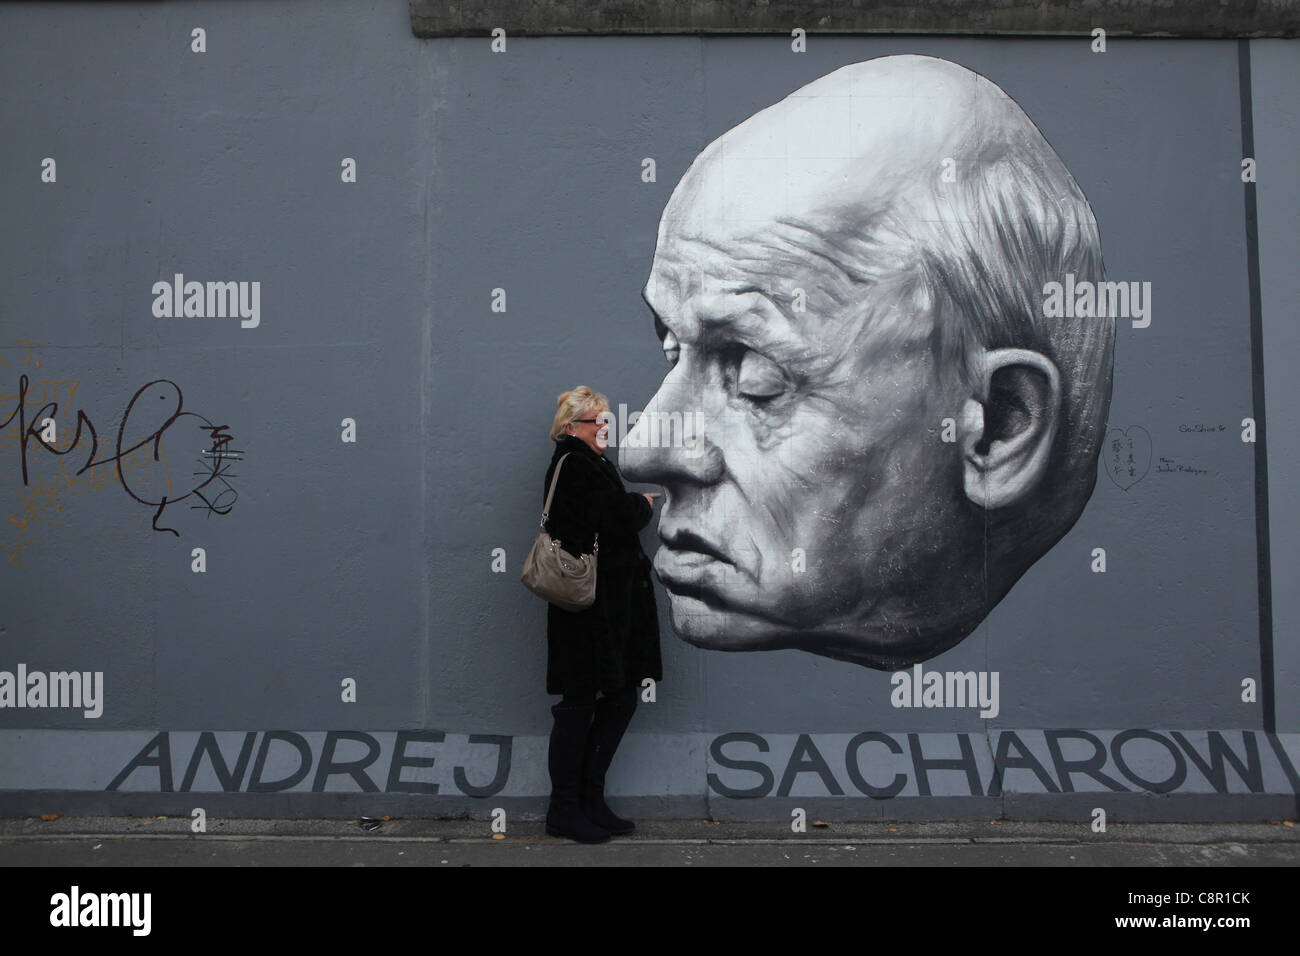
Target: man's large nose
670, 441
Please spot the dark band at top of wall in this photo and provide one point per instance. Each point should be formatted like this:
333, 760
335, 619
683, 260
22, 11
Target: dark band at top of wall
1187, 18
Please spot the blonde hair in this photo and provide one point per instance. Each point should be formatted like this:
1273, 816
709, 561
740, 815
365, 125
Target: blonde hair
576, 404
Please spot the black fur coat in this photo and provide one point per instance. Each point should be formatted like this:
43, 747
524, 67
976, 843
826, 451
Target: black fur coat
614, 643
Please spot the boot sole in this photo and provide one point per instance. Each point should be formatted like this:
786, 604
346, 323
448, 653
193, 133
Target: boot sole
553, 831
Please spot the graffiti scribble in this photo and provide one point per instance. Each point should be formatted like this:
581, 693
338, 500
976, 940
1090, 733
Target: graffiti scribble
139, 462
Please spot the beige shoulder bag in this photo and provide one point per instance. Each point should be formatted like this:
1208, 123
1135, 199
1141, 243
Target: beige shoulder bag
552, 573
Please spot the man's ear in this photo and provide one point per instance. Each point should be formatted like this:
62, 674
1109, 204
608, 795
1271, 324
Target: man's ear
1007, 431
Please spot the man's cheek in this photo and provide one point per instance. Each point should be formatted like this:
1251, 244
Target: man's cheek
782, 520
844, 422
766, 427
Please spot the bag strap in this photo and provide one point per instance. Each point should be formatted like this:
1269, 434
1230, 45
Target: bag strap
546, 508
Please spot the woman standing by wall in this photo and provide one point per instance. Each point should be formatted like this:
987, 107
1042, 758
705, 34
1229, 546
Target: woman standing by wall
608, 648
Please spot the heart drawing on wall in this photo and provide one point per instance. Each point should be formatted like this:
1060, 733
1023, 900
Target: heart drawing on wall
1126, 455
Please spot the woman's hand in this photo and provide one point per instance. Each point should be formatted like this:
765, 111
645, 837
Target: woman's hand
650, 496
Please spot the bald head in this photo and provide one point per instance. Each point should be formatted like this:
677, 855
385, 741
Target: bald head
846, 148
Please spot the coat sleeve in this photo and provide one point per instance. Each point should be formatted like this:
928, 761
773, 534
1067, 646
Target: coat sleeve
606, 509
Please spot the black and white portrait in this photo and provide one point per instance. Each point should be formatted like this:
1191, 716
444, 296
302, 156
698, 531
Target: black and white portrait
884, 427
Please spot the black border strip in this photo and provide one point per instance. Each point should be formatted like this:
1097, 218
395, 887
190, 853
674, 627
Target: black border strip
1203, 19
1257, 386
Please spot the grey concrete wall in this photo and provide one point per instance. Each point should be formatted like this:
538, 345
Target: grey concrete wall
372, 560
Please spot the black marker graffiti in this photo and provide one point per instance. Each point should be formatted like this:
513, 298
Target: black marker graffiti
1128, 455
142, 414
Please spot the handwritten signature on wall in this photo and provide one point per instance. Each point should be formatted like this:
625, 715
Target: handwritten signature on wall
139, 463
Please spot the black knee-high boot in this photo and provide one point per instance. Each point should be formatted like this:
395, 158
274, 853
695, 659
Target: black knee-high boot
569, 734
613, 713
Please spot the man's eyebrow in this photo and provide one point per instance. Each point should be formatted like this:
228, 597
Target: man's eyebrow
761, 330
738, 322
730, 319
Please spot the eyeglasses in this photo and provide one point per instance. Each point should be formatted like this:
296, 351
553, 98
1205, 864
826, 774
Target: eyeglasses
590, 421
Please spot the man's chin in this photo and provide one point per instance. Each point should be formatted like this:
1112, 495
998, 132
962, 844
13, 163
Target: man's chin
705, 624
701, 621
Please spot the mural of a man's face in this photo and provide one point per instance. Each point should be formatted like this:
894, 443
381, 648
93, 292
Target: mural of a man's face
822, 507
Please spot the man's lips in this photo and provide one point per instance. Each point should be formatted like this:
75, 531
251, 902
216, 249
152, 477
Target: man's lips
689, 564
688, 544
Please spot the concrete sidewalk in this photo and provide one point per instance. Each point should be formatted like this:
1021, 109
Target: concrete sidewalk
169, 841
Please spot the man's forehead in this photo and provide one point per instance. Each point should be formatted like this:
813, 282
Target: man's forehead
689, 268
786, 257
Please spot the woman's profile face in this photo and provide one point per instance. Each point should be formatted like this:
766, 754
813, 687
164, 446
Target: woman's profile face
595, 434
